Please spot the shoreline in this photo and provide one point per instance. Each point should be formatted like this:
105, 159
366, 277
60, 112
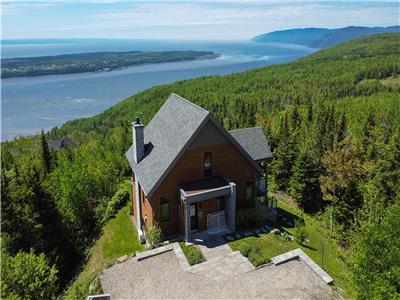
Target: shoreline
210, 56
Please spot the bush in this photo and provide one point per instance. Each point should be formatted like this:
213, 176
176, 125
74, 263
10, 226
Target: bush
28, 276
300, 232
193, 254
256, 259
154, 235
256, 255
194, 257
116, 203
245, 249
249, 217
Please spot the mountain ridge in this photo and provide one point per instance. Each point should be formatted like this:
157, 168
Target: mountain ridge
321, 37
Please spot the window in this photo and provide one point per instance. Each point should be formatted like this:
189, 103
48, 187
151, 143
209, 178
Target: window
164, 209
250, 189
207, 164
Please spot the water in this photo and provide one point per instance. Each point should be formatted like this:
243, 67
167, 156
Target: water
34, 103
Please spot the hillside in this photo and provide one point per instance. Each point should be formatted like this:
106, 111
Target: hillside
332, 120
321, 37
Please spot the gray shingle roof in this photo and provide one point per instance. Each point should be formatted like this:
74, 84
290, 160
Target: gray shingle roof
166, 138
253, 141
61, 143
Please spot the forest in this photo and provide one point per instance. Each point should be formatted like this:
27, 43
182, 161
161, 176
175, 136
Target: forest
93, 62
332, 120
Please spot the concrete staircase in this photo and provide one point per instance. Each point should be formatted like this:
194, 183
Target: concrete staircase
221, 262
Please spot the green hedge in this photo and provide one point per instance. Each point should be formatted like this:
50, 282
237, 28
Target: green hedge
193, 253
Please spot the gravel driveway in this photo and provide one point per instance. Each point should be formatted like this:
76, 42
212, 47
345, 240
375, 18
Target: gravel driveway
161, 277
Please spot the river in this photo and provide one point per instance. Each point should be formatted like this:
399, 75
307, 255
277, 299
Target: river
34, 103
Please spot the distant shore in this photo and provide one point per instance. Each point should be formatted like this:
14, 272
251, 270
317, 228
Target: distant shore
93, 62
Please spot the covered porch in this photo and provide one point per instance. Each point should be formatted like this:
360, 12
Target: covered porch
209, 206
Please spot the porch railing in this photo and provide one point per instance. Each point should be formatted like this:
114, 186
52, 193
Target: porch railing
216, 222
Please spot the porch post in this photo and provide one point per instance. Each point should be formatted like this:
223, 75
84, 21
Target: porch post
138, 208
187, 221
231, 207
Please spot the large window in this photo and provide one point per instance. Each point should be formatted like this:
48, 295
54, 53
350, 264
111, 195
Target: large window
164, 209
250, 189
207, 164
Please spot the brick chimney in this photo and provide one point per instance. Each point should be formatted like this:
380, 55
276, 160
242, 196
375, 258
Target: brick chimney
138, 140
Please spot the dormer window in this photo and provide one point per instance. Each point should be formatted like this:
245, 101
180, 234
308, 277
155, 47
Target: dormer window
207, 164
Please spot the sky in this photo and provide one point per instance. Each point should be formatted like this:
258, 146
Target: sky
184, 20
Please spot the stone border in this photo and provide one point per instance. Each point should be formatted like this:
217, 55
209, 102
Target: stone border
298, 253
153, 252
181, 257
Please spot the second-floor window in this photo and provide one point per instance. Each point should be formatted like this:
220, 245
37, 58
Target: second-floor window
207, 164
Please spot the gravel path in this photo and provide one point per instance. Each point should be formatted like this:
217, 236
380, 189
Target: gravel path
161, 277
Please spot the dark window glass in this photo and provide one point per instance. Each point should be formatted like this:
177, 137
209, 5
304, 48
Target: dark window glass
250, 189
207, 164
164, 209
220, 203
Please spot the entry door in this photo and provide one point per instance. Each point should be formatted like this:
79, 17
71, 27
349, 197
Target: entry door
193, 216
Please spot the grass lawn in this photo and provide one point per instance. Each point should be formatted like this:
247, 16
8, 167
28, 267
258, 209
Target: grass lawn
321, 248
117, 239
193, 253
266, 245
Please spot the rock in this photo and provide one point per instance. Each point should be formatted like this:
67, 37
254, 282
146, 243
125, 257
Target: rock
268, 228
257, 231
95, 286
290, 237
122, 259
264, 230
247, 234
276, 231
237, 236
229, 238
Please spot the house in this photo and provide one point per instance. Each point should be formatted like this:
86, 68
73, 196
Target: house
189, 173
61, 143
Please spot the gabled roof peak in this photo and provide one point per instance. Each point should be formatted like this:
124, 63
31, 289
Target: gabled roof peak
171, 131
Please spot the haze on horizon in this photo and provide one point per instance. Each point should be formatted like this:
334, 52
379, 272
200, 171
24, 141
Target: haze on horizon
192, 20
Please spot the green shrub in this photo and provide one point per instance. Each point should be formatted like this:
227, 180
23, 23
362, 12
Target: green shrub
154, 235
28, 276
194, 257
193, 253
257, 259
116, 203
249, 217
300, 232
245, 249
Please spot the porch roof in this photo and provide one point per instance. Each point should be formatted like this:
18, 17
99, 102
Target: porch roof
202, 189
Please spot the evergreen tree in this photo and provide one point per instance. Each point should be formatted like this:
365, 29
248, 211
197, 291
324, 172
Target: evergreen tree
304, 182
45, 153
376, 256
282, 164
341, 129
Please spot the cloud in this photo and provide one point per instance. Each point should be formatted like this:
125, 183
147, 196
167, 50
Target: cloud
222, 19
